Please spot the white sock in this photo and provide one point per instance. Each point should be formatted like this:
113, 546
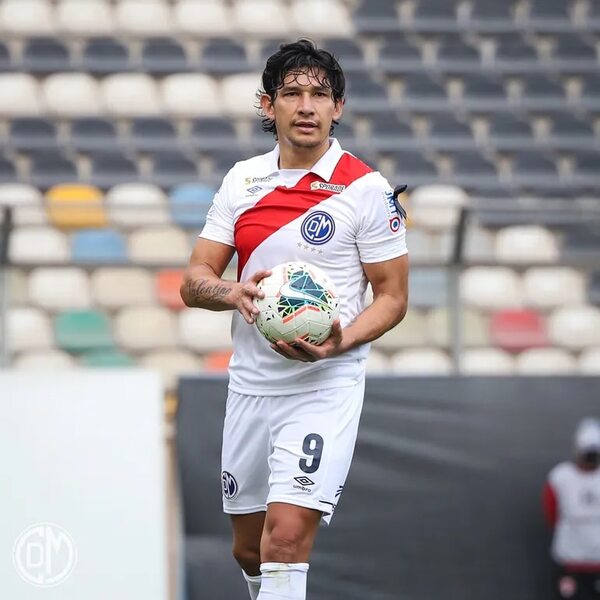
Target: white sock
283, 581
253, 584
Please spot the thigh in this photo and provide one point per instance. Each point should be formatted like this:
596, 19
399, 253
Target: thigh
313, 438
245, 452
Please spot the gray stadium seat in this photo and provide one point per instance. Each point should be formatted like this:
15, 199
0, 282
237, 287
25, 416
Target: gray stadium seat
435, 15
376, 16
541, 92
364, 94
571, 47
568, 131
208, 133
454, 55
45, 55
533, 167
8, 171
388, 132
590, 94
51, 168
580, 241
483, 93
398, 56
224, 56
223, 161
471, 164
5, 59
348, 52
421, 92
587, 164
109, 169
260, 141
92, 134
411, 166
542, 11
268, 49
514, 54
105, 55
148, 134
507, 131
594, 288
31, 134
491, 14
163, 55
173, 168
446, 131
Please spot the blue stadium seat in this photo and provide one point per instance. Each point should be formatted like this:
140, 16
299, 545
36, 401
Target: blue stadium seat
8, 171
93, 134
112, 168
105, 55
45, 55
208, 133
172, 168
51, 168
190, 203
376, 16
348, 52
397, 55
163, 55
224, 56
31, 134
152, 134
97, 246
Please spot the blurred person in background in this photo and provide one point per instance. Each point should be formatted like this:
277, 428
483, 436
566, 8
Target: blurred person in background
571, 502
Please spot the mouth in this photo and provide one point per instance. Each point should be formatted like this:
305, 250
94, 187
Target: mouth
306, 126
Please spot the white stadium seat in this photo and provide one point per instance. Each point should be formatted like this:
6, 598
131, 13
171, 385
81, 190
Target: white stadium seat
475, 327
589, 362
486, 361
545, 361
144, 17
119, 287
130, 95
18, 288
575, 327
205, 331
491, 288
20, 95
422, 245
96, 20
164, 246
249, 16
137, 204
171, 364
28, 329
203, 18
27, 203
50, 360
60, 288
71, 95
425, 361
187, 95
315, 17
526, 244
238, 93
27, 18
38, 245
378, 363
436, 207
145, 328
412, 331
479, 244
549, 287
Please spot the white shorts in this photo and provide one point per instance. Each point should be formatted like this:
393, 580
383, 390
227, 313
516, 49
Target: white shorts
295, 449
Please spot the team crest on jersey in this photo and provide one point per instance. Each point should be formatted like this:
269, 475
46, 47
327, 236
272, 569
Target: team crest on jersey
328, 187
230, 485
318, 228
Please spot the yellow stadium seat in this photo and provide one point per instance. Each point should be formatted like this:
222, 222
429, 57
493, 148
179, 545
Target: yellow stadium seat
75, 206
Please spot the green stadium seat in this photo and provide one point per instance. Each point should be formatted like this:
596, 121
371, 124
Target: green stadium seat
107, 358
82, 330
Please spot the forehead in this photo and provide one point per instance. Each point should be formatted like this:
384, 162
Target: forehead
306, 78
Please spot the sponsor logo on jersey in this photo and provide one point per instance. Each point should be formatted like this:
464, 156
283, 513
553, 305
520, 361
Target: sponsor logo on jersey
394, 210
253, 190
395, 224
318, 228
251, 180
304, 483
230, 485
328, 187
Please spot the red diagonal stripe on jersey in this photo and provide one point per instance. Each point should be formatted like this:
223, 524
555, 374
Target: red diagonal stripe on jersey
283, 205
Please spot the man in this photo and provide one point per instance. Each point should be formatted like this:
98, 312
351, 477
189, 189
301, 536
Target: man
572, 509
293, 410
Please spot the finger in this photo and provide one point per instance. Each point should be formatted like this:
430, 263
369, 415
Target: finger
308, 348
250, 307
259, 275
296, 353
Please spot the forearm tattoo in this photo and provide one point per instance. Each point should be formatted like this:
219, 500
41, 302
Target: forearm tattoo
202, 290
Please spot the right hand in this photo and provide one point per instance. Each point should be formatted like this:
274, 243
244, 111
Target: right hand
246, 292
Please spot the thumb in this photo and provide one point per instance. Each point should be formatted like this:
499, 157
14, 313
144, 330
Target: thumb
260, 275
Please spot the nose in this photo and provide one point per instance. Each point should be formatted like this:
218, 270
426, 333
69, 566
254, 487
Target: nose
305, 105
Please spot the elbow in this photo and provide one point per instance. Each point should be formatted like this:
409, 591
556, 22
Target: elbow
402, 310
184, 290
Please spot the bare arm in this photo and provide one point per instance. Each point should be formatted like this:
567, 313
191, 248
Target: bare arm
202, 286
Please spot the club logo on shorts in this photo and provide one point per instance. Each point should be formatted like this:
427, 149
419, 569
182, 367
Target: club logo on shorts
230, 485
303, 480
318, 228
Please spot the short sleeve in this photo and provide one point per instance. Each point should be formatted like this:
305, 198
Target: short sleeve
219, 219
381, 231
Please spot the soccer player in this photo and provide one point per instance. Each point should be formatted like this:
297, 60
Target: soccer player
572, 509
293, 410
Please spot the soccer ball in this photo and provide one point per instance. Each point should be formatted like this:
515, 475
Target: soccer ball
300, 301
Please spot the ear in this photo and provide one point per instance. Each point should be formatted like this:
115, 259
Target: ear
338, 109
267, 106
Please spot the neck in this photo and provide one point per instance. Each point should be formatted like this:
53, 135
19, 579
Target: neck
298, 157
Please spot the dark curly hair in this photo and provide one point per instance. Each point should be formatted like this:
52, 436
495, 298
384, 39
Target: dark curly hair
294, 58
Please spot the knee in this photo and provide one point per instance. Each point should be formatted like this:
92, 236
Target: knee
284, 544
248, 558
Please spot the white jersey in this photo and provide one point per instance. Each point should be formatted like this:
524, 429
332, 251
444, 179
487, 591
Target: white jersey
577, 533
336, 216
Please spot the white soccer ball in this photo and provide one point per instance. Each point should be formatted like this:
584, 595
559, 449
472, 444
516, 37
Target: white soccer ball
300, 301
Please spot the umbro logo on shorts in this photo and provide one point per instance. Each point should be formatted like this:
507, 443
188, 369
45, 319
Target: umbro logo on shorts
230, 485
302, 480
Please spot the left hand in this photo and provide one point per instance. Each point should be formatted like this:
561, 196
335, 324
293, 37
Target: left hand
306, 352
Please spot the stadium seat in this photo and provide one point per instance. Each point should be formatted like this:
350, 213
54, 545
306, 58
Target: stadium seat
378, 363
433, 15
28, 329
97, 246
202, 17
526, 243
428, 287
376, 16
118, 287
190, 203
6, 62
105, 55
545, 361
161, 246
481, 92
37, 245
75, 206
507, 131
397, 56
425, 361
470, 164
543, 11
143, 18
93, 135
71, 95
204, 331
364, 95
50, 360
421, 92
238, 93
224, 56
8, 171
151, 134
514, 53
249, 18
515, 330
83, 330
106, 359
217, 361
412, 166
20, 95
45, 55
454, 55
580, 241
30, 134
541, 92
173, 168
26, 202
411, 332
47, 169
181, 94
586, 164
316, 18
479, 244
388, 132
60, 288
486, 361
474, 332
489, 13
161, 56
145, 328
590, 92
575, 327
568, 130
37, 20
17, 288
491, 288
446, 131
435, 206
168, 282
95, 20
570, 49
137, 204
111, 168
130, 95
589, 362
348, 52
550, 287
172, 364
531, 166
209, 133
593, 293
